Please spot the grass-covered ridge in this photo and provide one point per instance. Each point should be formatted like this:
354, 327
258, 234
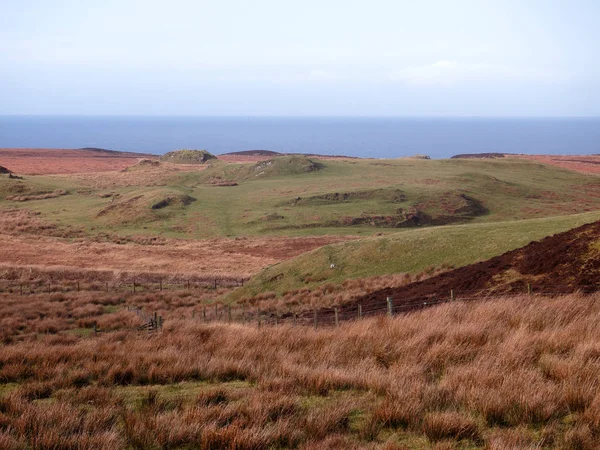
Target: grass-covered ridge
410, 251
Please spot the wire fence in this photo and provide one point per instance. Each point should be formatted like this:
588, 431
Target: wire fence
336, 315
318, 317
48, 286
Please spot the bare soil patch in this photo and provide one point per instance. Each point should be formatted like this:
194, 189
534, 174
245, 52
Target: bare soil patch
562, 263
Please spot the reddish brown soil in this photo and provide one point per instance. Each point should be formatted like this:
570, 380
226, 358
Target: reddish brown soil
582, 164
564, 262
43, 161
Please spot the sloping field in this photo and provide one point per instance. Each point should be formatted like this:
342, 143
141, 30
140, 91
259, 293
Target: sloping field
588, 164
564, 262
43, 161
411, 251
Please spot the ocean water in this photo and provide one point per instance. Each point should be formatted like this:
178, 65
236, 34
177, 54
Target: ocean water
365, 137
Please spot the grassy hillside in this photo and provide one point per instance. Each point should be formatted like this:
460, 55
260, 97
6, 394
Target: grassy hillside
409, 251
294, 195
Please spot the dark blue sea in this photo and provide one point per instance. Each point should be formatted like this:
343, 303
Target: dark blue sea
366, 137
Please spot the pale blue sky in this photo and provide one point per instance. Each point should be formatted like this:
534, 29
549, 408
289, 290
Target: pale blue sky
309, 57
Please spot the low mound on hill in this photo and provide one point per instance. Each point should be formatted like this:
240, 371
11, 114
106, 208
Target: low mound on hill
4, 170
221, 174
143, 164
146, 207
253, 153
285, 165
188, 157
564, 262
333, 198
477, 155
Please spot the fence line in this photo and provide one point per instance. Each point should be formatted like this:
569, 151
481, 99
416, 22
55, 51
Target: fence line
334, 316
317, 317
48, 286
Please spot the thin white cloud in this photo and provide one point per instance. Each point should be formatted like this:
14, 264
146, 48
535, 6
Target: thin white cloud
446, 72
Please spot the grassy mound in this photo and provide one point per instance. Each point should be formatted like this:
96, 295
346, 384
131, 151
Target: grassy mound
285, 165
411, 251
143, 164
188, 157
147, 207
386, 195
219, 173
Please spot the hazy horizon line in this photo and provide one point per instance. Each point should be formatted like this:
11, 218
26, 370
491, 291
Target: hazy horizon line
304, 116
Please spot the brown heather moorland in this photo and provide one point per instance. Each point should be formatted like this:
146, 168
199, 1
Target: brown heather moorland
26, 240
514, 373
44, 161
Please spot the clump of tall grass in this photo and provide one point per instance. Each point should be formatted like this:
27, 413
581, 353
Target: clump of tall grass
510, 373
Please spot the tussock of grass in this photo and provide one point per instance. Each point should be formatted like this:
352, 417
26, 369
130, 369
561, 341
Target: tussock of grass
512, 373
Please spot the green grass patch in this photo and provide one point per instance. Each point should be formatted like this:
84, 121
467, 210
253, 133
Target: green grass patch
410, 251
298, 196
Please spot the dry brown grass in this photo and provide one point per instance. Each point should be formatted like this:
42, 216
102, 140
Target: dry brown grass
26, 240
42, 161
47, 195
329, 295
513, 373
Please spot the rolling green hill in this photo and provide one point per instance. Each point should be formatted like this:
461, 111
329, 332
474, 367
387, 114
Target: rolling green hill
297, 195
410, 251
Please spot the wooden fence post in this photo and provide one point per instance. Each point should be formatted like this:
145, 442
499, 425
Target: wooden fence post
294, 320
216, 312
204, 313
160, 322
258, 317
160, 285
215, 283
243, 314
78, 286
529, 289
229, 313
276, 319
390, 306
134, 285
107, 286
337, 322
315, 318
359, 312
21, 288
95, 329
452, 298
